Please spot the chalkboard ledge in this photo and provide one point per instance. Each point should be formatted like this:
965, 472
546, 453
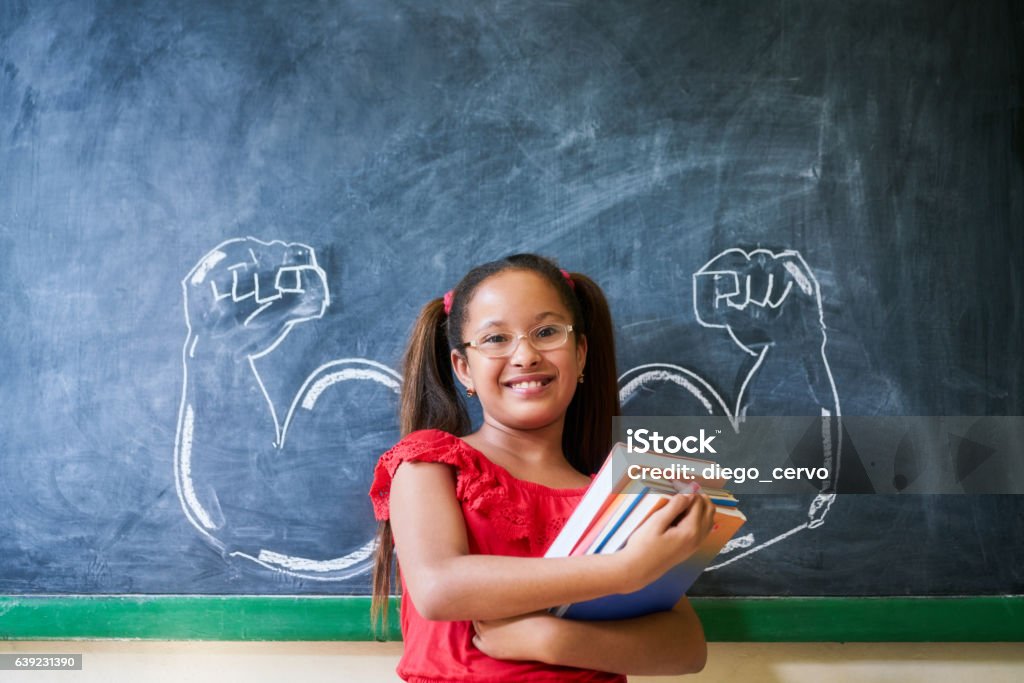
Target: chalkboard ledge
791, 619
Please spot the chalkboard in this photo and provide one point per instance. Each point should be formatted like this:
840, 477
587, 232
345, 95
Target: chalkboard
218, 221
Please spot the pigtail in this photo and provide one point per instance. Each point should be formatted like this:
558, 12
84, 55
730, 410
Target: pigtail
382, 565
430, 400
587, 435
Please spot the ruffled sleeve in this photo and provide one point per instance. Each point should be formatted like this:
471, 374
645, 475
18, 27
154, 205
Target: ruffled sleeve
432, 445
504, 515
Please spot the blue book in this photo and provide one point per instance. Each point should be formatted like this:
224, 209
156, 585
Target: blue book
659, 596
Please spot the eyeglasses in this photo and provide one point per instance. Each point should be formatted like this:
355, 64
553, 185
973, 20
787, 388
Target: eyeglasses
543, 337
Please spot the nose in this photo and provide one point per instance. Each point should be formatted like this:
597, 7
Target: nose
524, 354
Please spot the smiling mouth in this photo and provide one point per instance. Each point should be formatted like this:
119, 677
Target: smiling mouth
530, 384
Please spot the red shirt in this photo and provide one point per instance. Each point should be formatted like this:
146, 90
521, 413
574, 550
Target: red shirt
504, 516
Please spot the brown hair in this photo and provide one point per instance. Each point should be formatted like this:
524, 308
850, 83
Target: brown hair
431, 400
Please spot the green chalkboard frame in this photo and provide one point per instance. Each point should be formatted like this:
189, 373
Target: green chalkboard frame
881, 619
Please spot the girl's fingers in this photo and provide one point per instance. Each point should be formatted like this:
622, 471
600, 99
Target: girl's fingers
709, 522
694, 516
677, 503
688, 512
667, 515
684, 486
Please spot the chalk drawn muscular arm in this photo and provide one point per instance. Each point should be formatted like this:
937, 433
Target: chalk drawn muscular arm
241, 301
273, 468
770, 305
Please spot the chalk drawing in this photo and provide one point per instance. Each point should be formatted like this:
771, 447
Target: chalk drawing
744, 293
247, 295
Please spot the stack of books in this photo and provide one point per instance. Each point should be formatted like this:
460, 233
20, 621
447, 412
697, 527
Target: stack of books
617, 503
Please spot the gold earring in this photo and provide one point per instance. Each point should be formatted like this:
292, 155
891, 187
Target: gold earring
580, 378
470, 393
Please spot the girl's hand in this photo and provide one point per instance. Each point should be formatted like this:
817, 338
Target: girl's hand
522, 637
667, 537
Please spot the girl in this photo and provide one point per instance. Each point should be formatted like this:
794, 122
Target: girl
471, 514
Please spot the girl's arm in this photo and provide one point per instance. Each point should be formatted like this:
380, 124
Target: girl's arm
664, 643
447, 583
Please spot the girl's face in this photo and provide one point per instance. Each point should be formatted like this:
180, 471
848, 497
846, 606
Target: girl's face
529, 389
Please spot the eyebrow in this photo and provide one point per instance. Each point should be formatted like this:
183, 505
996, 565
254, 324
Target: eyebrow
501, 323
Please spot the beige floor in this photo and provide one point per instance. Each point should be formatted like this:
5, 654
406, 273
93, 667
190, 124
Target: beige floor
202, 662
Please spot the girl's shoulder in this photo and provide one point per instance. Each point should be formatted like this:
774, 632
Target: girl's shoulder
425, 445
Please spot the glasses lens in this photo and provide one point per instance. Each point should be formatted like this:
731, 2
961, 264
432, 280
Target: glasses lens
550, 336
496, 344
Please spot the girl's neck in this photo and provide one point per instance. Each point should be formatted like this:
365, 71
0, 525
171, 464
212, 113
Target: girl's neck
535, 446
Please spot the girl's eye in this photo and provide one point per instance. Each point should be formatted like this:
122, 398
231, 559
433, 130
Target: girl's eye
546, 331
496, 339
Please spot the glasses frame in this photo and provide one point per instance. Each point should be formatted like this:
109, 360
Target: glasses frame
518, 339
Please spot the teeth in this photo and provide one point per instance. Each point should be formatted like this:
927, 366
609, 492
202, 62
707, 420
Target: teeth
527, 385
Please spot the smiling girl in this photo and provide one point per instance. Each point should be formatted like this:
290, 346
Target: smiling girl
471, 514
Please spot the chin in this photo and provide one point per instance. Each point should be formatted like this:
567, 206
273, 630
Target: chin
529, 421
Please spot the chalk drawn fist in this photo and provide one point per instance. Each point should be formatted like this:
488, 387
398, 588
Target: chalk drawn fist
272, 460
761, 298
252, 292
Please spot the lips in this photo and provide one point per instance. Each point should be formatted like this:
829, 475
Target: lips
529, 382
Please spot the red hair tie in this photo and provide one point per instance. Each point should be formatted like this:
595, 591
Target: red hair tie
450, 294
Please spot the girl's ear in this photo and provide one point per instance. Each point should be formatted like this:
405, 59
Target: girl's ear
581, 352
460, 364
